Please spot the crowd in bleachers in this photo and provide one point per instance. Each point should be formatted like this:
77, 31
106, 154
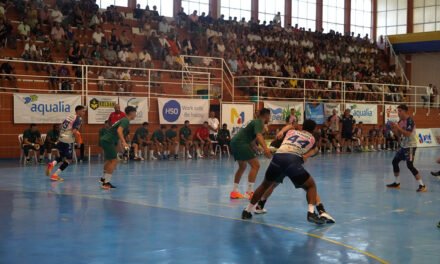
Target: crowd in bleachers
75, 32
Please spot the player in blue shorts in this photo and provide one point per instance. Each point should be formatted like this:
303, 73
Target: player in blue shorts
69, 128
406, 130
297, 147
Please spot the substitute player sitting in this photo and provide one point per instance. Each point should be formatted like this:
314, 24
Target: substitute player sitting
202, 141
159, 143
297, 147
172, 142
185, 139
32, 141
140, 142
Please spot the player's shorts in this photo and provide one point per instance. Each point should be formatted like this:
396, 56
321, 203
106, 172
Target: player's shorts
287, 165
183, 143
242, 152
109, 148
137, 143
406, 154
65, 150
347, 134
212, 137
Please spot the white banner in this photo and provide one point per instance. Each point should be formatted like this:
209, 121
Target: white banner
43, 108
365, 113
425, 138
328, 109
177, 110
100, 107
235, 115
391, 114
141, 105
280, 110
436, 134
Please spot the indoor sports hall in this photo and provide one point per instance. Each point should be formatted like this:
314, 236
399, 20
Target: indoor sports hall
138, 131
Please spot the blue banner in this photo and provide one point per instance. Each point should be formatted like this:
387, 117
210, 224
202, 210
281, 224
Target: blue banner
315, 112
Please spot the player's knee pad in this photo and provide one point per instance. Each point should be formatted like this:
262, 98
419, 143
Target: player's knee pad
411, 167
396, 165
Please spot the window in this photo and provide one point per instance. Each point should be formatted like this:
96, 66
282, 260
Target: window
200, 6
426, 15
267, 9
164, 7
304, 14
361, 17
391, 17
103, 4
234, 8
333, 15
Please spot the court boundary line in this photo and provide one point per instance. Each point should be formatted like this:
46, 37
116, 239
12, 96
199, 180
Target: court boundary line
190, 211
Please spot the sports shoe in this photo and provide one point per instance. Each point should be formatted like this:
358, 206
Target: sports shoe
433, 173
176, 157
189, 156
49, 168
246, 215
138, 158
107, 186
248, 195
236, 195
259, 209
327, 218
313, 218
394, 185
41, 161
438, 225
101, 180
55, 177
422, 188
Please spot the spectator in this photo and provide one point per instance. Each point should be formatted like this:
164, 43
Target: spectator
202, 141
138, 13
44, 15
125, 40
7, 72
145, 59
58, 35
52, 71
428, 95
193, 21
96, 21
74, 54
110, 56
32, 141
164, 27
56, 16
23, 31
224, 136
98, 36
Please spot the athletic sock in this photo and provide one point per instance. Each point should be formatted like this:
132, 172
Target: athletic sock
54, 163
421, 182
107, 177
250, 187
311, 208
250, 208
397, 180
235, 187
262, 203
57, 172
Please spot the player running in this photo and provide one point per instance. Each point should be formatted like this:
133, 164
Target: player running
241, 147
297, 147
406, 129
109, 141
69, 129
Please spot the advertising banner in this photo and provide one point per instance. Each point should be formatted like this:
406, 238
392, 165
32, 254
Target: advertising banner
365, 113
177, 110
391, 114
328, 109
100, 107
43, 108
280, 110
315, 112
236, 115
141, 105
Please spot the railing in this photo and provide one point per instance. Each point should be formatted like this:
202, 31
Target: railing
222, 79
399, 68
258, 88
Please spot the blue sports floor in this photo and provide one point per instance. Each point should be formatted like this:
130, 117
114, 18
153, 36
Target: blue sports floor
180, 212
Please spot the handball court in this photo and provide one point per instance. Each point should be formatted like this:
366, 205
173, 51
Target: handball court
180, 212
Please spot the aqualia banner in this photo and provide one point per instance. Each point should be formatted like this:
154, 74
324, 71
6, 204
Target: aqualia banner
177, 110
236, 115
141, 105
43, 108
280, 110
315, 112
391, 114
365, 113
329, 107
100, 107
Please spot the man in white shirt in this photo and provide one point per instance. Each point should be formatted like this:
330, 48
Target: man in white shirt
23, 30
97, 36
144, 59
56, 16
164, 27
213, 124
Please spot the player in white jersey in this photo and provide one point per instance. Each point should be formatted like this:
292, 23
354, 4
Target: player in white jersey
69, 128
297, 146
406, 129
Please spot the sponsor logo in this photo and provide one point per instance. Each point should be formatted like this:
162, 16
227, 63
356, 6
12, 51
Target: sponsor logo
43, 108
280, 114
171, 111
95, 104
237, 118
425, 138
360, 113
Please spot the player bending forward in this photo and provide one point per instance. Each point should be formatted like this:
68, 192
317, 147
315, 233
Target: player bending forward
297, 147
